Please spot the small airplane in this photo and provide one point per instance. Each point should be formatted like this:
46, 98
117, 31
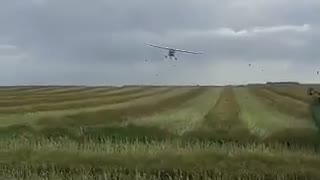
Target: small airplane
172, 51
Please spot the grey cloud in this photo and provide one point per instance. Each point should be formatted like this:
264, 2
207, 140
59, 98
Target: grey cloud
7, 50
258, 30
88, 41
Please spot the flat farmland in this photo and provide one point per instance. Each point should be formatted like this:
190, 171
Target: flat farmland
159, 132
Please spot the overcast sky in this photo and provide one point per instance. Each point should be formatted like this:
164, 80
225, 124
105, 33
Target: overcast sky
103, 41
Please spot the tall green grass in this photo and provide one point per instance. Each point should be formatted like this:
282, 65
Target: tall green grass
34, 172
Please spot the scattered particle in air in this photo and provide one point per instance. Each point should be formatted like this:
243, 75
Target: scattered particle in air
317, 72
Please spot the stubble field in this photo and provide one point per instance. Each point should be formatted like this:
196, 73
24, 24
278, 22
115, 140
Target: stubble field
135, 132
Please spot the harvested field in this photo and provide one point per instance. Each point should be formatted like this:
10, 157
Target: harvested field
158, 133
286, 104
265, 119
78, 102
184, 117
222, 121
294, 91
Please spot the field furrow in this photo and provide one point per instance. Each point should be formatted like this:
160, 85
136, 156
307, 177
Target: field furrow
88, 92
143, 101
265, 120
11, 89
37, 90
285, 104
184, 117
293, 91
52, 103
222, 121
84, 103
124, 115
60, 90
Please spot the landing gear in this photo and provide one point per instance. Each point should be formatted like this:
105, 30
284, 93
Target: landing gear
171, 57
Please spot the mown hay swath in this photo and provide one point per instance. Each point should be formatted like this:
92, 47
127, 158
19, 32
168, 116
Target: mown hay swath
265, 120
183, 117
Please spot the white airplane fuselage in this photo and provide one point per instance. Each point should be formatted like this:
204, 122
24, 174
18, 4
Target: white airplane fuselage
171, 54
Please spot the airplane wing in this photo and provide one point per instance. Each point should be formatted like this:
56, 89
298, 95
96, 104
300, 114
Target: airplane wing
185, 51
161, 47
179, 50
